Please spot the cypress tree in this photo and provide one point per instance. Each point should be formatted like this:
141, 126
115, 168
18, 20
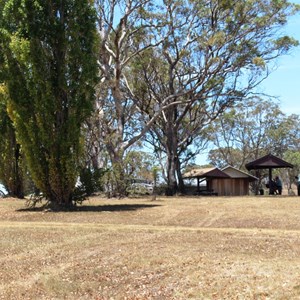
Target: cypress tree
49, 53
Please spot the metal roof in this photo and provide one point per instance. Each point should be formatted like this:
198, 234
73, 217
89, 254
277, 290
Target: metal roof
268, 161
206, 173
236, 173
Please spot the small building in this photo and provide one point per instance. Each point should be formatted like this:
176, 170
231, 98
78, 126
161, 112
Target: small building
226, 182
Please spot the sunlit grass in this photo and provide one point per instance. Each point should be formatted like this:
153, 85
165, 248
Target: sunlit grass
172, 248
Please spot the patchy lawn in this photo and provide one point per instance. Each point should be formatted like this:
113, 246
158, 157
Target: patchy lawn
172, 248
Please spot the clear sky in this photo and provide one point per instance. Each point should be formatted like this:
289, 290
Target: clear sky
284, 82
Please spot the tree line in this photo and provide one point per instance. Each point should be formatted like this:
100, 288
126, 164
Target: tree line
86, 84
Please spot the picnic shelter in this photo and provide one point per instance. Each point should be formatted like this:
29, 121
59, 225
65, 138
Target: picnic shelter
269, 162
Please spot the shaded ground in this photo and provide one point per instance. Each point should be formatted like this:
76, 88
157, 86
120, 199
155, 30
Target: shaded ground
173, 248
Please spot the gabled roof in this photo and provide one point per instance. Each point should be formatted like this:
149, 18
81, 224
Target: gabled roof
206, 173
267, 162
236, 173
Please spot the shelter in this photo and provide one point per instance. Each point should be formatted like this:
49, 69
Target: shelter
208, 174
269, 162
226, 182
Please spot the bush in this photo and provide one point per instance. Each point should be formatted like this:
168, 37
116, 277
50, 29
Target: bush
90, 182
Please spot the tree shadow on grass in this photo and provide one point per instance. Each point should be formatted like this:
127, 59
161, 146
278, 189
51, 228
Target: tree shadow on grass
93, 208
114, 207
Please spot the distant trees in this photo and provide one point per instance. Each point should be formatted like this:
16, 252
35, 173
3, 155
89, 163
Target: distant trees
243, 133
250, 130
292, 156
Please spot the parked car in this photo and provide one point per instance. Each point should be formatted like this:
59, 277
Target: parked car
141, 188
3, 191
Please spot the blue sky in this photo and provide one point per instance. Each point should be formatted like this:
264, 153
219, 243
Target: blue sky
284, 82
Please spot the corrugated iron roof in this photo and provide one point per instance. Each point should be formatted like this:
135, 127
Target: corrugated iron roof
206, 173
238, 173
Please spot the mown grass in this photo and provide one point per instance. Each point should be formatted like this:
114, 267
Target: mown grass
172, 248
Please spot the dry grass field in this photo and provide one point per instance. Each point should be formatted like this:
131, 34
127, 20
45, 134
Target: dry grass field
172, 248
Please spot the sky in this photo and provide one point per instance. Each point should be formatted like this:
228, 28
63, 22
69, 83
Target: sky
284, 82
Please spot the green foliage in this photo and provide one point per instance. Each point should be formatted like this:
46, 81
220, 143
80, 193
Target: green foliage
141, 172
286, 43
90, 182
136, 166
139, 165
11, 159
251, 129
49, 53
293, 157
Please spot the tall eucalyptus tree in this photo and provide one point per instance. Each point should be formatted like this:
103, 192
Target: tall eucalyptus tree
214, 53
124, 28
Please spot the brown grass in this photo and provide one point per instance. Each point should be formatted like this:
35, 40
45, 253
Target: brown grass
172, 248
